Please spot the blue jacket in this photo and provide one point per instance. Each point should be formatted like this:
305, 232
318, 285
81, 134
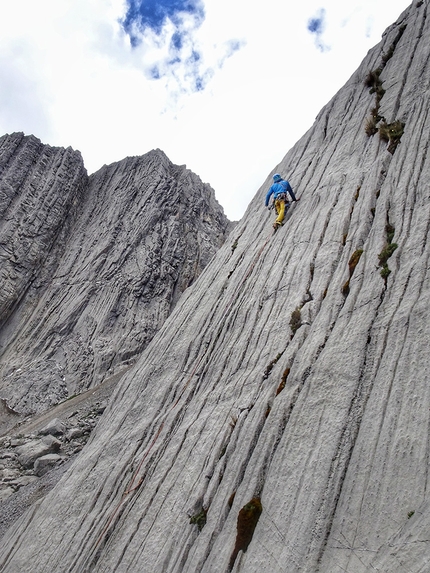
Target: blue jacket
280, 187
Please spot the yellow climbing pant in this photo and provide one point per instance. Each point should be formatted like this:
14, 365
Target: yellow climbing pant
280, 210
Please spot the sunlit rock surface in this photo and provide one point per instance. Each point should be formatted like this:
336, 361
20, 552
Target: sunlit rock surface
325, 421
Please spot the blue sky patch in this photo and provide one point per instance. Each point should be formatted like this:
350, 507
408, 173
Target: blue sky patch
167, 33
176, 42
152, 14
316, 26
155, 73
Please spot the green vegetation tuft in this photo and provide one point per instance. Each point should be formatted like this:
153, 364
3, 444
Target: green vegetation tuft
391, 133
386, 253
389, 229
380, 92
389, 130
374, 112
374, 83
199, 519
385, 271
372, 79
371, 126
296, 320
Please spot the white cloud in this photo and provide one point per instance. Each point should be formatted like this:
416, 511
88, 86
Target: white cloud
69, 75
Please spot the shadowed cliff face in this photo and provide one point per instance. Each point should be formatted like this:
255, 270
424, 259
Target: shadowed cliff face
39, 185
326, 423
91, 267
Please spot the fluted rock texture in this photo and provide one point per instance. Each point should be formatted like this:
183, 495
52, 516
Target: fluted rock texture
91, 266
292, 371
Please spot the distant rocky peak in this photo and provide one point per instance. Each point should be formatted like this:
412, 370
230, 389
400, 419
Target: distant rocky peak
91, 266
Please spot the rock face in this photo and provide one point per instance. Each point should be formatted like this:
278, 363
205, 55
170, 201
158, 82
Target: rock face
294, 372
91, 267
27, 471
39, 186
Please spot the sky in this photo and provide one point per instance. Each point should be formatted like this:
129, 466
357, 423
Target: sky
225, 87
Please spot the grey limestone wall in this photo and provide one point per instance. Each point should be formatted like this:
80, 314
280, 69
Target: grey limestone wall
91, 266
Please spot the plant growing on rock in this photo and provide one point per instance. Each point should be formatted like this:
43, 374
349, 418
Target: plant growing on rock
372, 80
199, 519
383, 257
352, 263
389, 229
387, 251
296, 320
246, 523
283, 381
392, 133
385, 271
370, 126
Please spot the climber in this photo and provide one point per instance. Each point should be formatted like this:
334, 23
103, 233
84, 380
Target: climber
280, 188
